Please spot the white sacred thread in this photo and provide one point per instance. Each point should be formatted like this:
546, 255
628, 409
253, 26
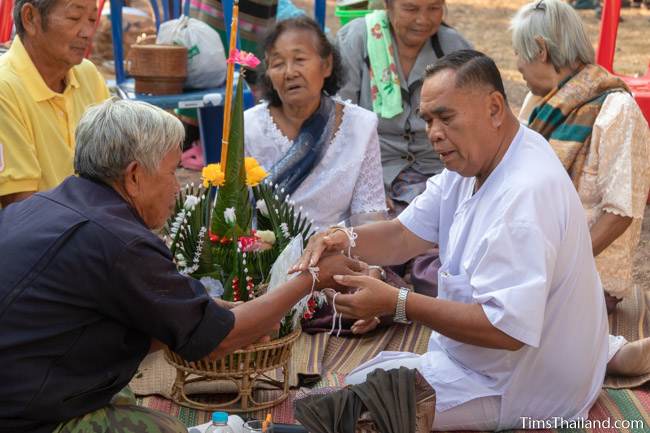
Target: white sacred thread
313, 270
334, 316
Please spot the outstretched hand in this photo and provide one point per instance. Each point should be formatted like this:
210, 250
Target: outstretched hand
329, 241
373, 298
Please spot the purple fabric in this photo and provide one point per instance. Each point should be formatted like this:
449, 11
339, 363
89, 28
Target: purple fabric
424, 273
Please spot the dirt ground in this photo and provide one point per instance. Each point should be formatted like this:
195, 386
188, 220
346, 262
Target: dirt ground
485, 24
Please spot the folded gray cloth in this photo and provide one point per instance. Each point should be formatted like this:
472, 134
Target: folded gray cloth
389, 397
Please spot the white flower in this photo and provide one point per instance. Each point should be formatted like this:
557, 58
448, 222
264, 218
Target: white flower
190, 202
266, 236
230, 216
261, 206
285, 230
212, 286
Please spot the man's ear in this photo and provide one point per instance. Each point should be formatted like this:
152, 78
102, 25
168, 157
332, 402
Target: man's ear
31, 19
132, 179
497, 107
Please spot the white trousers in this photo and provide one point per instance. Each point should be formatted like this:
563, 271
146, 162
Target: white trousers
479, 414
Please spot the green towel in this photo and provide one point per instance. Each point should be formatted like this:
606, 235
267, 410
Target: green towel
384, 81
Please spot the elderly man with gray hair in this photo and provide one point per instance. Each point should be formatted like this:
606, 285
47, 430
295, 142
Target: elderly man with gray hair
88, 290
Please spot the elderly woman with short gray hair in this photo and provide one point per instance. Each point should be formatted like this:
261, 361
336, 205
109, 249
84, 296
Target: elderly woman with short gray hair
88, 290
600, 135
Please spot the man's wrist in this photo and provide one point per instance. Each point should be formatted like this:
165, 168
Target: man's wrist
400, 306
342, 233
304, 281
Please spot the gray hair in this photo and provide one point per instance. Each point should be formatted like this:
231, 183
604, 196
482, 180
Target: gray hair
44, 8
116, 132
561, 28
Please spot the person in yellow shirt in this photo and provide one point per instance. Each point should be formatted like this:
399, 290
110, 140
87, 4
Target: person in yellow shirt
45, 87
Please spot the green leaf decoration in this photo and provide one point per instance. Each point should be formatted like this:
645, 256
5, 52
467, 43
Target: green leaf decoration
234, 192
280, 212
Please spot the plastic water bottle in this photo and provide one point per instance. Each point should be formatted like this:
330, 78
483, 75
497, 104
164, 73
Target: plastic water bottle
219, 423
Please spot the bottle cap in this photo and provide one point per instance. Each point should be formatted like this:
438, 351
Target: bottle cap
220, 417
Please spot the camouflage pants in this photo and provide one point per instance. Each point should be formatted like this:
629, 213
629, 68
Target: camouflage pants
122, 415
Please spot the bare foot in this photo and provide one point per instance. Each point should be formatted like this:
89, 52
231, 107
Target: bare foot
633, 359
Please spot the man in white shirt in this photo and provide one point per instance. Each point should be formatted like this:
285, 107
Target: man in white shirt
519, 325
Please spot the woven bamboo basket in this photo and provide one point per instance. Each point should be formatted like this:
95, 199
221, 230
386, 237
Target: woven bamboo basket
158, 69
246, 368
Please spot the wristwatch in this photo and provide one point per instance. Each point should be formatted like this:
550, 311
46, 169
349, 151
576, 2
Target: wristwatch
400, 308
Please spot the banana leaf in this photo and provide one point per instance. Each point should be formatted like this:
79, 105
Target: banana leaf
234, 192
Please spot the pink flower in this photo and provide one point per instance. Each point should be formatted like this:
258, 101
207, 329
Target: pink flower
376, 31
243, 58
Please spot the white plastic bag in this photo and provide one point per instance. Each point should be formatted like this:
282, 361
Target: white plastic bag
206, 59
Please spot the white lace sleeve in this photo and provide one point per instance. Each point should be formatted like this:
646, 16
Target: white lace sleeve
623, 143
369, 195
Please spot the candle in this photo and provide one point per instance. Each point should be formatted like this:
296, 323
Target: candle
229, 86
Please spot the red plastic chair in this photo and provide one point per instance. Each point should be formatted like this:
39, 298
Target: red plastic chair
6, 19
640, 86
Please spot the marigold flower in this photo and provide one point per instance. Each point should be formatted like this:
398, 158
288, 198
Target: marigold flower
212, 175
255, 173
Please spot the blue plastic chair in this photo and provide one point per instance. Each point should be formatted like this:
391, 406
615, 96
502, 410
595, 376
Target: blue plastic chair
208, 102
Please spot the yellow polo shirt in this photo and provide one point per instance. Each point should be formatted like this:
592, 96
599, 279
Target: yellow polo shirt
37, 124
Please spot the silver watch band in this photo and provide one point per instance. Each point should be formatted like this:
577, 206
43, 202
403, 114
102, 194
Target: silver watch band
400, 308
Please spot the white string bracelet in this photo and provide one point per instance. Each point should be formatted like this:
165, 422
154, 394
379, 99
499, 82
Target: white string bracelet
313, 271
334, 316
352, 237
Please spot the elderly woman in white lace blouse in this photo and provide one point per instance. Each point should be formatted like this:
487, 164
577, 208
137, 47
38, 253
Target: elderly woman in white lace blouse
600, 135
322, 151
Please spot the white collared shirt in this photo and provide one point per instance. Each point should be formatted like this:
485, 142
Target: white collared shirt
521, 248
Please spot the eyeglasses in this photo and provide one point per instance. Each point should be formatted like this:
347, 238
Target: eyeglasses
540, 5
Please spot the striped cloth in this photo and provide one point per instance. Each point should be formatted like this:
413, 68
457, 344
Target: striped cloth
566, 115
313, 357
